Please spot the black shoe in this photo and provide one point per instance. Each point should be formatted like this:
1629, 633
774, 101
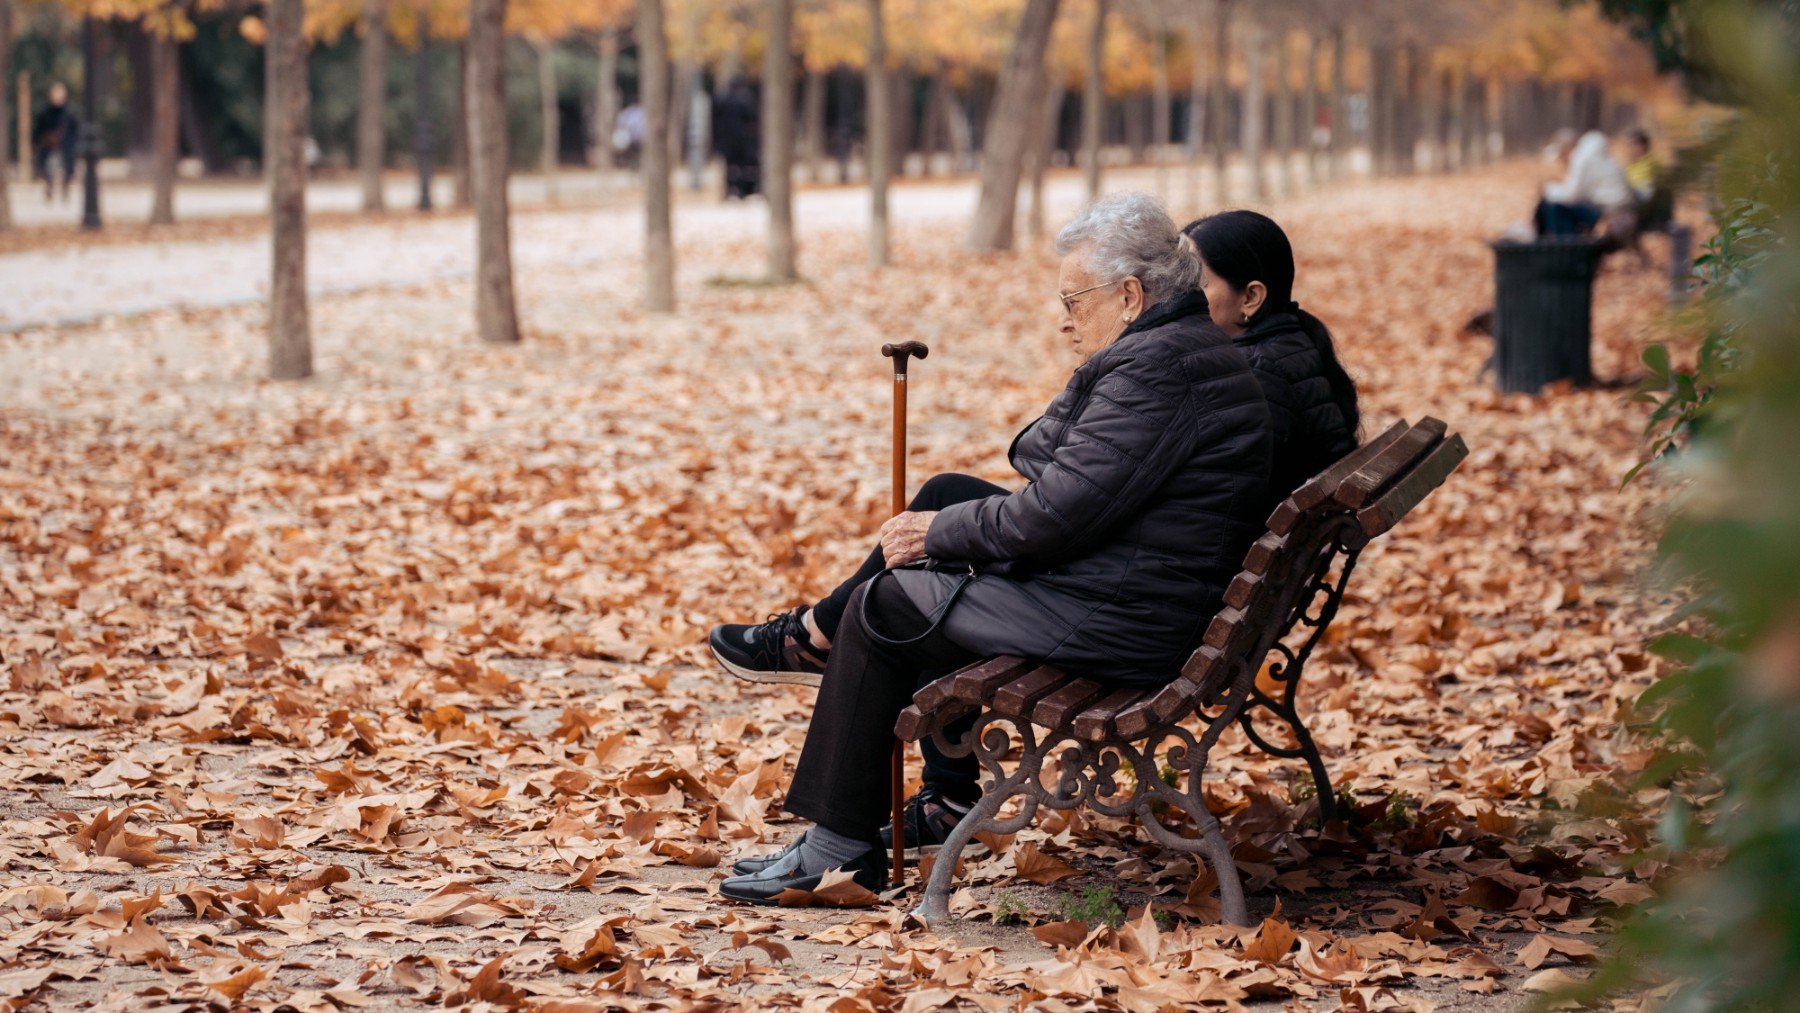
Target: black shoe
929, 816
757, 863
869, 869
778, 650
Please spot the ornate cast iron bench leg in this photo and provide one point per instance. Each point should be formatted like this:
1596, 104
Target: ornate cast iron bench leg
1088, 776
934, 909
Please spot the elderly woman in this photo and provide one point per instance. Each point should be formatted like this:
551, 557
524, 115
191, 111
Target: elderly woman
1146, 480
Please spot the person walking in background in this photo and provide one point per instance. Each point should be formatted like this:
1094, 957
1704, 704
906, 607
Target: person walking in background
56, 132
1643, 168
628, 135
737, 134
1592, 190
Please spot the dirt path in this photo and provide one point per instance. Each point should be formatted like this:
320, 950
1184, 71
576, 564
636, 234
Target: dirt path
398, 670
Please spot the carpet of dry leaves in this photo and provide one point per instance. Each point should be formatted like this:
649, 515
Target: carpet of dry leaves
388, 689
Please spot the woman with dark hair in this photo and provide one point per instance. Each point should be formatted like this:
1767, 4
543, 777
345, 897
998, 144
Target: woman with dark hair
1247, 273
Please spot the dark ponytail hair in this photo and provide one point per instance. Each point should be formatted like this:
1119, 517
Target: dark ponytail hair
1243, 246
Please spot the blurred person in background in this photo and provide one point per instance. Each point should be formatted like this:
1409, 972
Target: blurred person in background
1593, 190
737, 135
56, 133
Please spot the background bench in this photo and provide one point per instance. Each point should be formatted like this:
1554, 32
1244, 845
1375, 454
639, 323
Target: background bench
1114, 741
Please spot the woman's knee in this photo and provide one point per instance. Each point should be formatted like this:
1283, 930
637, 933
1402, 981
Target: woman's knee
945, 488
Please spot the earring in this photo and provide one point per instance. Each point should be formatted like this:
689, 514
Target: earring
1246, 318
1126, 318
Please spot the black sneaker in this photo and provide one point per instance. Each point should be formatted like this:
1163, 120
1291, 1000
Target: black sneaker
778, 650
929, 816
752, 865
869, 869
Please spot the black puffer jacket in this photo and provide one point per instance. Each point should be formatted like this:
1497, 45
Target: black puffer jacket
1311, 432
1148, 475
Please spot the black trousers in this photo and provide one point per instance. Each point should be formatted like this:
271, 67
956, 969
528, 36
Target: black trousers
938, 492
842, 779
957, 778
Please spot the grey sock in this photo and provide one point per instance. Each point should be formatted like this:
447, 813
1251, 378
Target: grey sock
821, 850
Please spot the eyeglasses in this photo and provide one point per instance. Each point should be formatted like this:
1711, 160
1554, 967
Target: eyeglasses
1068, 301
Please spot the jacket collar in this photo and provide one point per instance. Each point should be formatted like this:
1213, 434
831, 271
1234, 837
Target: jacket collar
1184, 305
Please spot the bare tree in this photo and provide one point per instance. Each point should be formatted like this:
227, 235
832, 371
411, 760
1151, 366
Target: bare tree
606, 98
5, 110
496, 313
812, 128
290, 333
547, 115
1160, 105
653, 75
1043, 147
1221, 53
1003, 149
881, 135
778, 137
1284, 110
1255, 103
1198, 120
1093, 98
165, 125
1309, 106
371, 110
1340, 103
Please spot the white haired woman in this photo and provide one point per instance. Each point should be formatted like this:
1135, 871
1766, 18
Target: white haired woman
1145, 484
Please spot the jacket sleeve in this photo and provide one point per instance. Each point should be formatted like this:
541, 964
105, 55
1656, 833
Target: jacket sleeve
1134, 431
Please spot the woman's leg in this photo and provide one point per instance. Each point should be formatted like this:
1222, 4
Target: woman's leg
841, 781
938, 492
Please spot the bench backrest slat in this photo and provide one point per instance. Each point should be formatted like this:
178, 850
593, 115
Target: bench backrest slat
1410, 489
1361, 488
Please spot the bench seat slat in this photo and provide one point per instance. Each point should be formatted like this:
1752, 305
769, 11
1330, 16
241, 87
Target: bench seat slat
1016, 698
978, 682
1059, 708
915, 724
1095, 723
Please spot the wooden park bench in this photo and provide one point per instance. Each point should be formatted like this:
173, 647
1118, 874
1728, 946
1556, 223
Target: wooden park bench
1114, 742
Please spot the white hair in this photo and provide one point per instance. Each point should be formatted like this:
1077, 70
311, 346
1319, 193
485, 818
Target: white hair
1130, 235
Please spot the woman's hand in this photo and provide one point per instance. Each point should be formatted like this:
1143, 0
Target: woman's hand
903, 537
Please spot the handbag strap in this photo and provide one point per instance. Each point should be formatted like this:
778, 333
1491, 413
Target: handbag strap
937, 617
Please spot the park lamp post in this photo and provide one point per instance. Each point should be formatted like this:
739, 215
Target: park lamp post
90, 125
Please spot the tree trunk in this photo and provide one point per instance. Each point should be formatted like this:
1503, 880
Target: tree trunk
1044, 149
545, 51
1003, 148
698, 127
1160, 111
1198, 120
881, 136
606, 98
424, 143
5, 112
1216, 115
1284, 112
653, 90
290, 335
1256, 106
1380, 107
1340, 103
1411, 112
462, 178
1309, 108
1093, 99
778, 137
165, 133
371, 109
496, 313
812, 130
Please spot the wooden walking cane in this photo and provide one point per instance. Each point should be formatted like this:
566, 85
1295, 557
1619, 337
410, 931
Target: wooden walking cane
900, 353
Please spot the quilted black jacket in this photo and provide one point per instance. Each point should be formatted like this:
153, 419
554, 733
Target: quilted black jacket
1311, 432
1148, 476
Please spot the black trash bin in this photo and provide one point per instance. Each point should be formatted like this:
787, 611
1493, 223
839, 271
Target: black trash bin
1543, 310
